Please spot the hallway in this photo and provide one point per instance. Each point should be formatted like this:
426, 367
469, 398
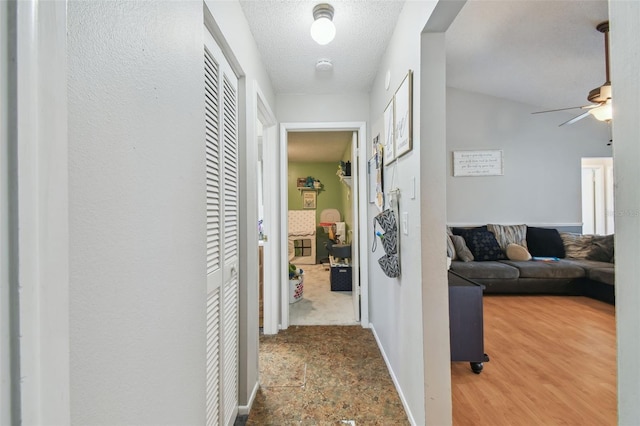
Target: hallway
324, 375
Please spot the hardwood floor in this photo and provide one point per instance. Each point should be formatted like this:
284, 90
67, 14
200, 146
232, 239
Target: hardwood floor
553, 362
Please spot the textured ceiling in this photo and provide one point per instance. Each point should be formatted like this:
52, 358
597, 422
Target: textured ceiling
321, 147
281, 31
543, 53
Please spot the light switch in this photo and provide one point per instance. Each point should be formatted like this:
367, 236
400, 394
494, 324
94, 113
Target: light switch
413, 188
405, 223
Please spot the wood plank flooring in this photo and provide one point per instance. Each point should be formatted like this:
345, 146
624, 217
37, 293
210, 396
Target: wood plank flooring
553, 362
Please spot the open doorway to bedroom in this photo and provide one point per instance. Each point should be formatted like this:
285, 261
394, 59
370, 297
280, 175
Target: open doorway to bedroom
320, 227
324, 237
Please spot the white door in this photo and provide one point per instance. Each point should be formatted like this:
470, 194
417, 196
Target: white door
355, 236
222, 235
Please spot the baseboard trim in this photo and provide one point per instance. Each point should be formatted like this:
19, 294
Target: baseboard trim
243, 410
393, 377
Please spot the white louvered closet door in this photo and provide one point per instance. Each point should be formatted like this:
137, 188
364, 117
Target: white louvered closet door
222, 235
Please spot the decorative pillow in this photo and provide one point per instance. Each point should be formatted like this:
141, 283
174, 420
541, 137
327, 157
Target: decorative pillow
461, 231
483, 245
576, 246
545, 242
462, 251
509, 234
601, 248
451, 249
517, 252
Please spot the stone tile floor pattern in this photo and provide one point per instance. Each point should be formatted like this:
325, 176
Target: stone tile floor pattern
324, 375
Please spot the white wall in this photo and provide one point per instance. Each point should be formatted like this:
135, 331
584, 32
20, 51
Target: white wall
396, 304
292, 108
542, 162
237, 41
137, 246
625, 68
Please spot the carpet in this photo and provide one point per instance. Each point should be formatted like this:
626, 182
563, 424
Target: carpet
319, 305
346, 380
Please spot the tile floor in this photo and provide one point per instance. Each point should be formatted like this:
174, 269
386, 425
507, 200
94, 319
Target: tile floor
324, 375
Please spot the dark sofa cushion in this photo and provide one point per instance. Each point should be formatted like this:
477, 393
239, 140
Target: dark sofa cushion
483, 244
545, 242
601, 248
603, 275
587, 265
456, 230
485, 270
555, 270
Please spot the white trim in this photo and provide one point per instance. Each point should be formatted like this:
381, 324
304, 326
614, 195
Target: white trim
43, 200
396, 383
243, 410
361, 128
271, 304
8, 326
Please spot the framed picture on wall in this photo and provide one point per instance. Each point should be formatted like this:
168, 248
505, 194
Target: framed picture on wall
301, 182
389, 151
403, 116
309, 199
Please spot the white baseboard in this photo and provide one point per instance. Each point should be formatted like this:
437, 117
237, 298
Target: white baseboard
244, 410
393, 377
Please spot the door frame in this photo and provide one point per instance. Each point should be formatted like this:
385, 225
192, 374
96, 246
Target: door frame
361, 204
266, 117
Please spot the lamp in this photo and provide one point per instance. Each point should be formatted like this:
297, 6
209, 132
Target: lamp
603, 112
322, 29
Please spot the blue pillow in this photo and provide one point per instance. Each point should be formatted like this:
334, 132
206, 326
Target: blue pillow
483, 244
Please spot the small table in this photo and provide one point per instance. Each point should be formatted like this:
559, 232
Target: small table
466, 325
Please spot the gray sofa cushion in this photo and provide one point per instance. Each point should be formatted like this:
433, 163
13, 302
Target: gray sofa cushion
603, 275
536, 269
588, 264
487, 270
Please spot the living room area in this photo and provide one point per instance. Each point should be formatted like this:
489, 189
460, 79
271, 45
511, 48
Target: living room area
549, 314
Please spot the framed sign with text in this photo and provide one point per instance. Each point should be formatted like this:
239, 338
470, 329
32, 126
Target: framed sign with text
478, 163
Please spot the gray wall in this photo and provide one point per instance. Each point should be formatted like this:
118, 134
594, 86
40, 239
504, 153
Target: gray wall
293, 108
136, 203
5, 350
541, 183
396, 304
625, 67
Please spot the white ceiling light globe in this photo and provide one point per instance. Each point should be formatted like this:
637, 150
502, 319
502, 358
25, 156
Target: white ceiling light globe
604, 112
323, 31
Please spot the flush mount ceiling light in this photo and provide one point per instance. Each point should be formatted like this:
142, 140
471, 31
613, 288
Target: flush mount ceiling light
322, 29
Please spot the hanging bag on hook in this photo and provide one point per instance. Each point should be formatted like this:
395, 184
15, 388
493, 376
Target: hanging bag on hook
389, 237
390, 262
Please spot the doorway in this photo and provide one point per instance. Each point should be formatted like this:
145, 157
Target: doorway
597, 196
320, 227
352, 234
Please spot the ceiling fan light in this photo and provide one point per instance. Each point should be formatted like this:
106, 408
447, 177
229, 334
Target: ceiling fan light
603, 113
322, 29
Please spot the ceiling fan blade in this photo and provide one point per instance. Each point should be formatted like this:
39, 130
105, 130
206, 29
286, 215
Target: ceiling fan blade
564, 109
578, 118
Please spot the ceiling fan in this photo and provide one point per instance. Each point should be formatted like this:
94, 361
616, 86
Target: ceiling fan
600, 97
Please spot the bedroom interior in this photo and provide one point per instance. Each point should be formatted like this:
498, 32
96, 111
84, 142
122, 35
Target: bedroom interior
319, 216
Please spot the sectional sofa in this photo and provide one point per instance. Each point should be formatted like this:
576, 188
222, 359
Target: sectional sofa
517, 259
